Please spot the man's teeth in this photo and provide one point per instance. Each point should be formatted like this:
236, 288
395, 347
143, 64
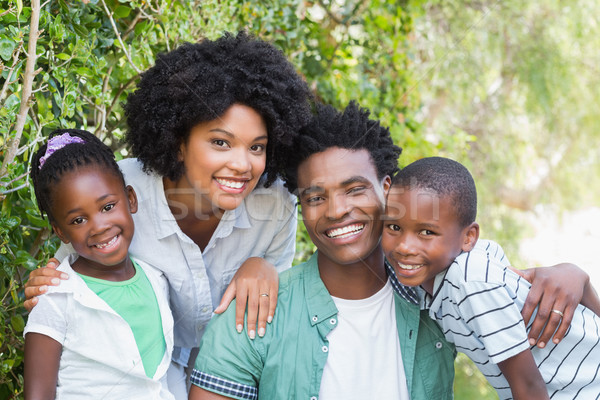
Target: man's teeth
410, 267
345, 231
231, 184
103, 245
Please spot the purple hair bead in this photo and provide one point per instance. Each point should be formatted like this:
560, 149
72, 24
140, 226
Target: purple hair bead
57, 143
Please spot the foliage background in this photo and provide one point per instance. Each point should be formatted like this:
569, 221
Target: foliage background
509, 88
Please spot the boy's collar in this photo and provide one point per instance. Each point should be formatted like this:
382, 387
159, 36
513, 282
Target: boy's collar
406, 292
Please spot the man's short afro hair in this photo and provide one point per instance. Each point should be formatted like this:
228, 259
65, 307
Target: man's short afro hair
444, 177
351, 129
198, 82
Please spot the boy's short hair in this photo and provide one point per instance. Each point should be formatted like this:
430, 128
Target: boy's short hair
198, 82
445, 177
351, 129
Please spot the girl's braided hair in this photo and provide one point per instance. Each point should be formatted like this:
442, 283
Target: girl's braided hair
69, 158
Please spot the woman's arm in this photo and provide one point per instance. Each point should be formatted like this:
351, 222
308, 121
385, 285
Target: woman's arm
42, 358
554, 291
524, 378
256, 283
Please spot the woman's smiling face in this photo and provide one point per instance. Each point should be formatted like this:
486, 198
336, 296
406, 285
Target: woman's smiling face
223, 158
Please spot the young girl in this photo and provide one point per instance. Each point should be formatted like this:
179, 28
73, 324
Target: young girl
107, 331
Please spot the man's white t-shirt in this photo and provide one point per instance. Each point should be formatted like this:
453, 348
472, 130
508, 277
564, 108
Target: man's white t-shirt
364, 360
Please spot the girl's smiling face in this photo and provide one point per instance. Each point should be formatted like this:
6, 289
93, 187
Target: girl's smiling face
91, 209
224, 159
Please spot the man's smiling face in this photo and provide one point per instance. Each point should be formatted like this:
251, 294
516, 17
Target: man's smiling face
342, 203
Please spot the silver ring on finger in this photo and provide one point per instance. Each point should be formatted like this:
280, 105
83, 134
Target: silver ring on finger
264, 295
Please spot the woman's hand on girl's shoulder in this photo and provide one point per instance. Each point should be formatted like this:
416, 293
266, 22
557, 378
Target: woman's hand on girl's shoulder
40, 279
255, 285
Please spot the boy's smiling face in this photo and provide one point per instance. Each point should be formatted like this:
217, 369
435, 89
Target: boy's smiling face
422, 235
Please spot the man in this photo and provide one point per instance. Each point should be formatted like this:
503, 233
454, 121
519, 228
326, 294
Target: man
340, 331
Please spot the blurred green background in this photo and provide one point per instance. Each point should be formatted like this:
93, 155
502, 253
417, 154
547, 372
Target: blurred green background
508, 88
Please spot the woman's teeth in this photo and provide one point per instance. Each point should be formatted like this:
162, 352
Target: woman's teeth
231, 184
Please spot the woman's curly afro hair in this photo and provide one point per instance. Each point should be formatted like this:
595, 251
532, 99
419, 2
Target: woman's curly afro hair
351, 130
198, 82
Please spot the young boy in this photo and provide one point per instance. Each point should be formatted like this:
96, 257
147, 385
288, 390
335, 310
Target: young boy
430, 237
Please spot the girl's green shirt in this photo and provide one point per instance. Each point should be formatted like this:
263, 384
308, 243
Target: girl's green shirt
134, 300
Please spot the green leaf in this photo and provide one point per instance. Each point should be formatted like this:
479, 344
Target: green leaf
62, 56
7, 364
7, 47
19, 7
15, 298
12, 102
11, 222
84, 72
30, 264
34, 217
122, 11
22, 257
87, 18
80, 30
381, 22
64, 7
140, 26
18, 323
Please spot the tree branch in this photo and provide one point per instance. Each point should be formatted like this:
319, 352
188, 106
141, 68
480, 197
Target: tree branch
101, 125
119, 93
10, 9
17, 178
15, 189
133, 23
345, 22
27, 87
89, 101
33, 117
112, 22
330, 14
41, 237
